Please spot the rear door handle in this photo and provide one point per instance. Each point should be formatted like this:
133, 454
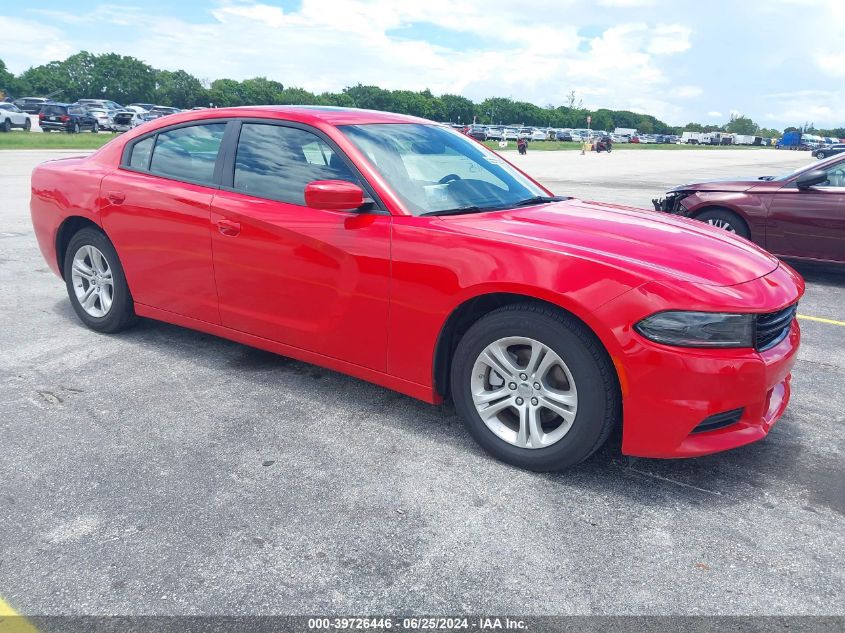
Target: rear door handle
116, 197
228, 227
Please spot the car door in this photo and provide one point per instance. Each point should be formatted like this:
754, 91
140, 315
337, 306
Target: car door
809, 223
156, 210
313, 279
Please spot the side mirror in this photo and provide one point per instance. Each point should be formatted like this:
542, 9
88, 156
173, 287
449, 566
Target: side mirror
811, 179
334, 195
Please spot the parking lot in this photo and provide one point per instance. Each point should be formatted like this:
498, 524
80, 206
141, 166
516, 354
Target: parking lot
170, 472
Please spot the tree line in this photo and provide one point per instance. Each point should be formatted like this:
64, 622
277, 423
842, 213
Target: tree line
126, 80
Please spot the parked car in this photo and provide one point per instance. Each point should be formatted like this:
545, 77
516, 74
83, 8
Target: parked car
495, 133
539, 135
510, 134
103, 104
11, 116
830, 150
164, 110
104, 119
619, 138
799, 215
125, 120
565, 136
461, 278
30, 105
478, 132
146, 107
66, 117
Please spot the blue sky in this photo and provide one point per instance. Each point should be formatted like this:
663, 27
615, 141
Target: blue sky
780, 62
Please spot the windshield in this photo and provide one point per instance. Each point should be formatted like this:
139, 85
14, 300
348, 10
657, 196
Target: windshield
432, 168
821, 164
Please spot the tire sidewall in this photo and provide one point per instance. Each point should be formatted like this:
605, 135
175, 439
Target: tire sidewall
593, 405
121, 311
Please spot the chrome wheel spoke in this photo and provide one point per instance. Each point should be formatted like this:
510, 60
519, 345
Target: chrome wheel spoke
524, 392
92, 281
486, 397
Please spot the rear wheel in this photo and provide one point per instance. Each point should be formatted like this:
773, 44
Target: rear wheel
27, 125
96, 284
95, 128
534, 387
74, 129
820, 154
726, 220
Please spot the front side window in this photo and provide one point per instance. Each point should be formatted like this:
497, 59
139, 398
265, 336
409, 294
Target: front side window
835, 176
277, 162
187, 153
432, 168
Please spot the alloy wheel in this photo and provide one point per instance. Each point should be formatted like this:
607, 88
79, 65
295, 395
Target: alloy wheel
92, 280
524, 392
722, 224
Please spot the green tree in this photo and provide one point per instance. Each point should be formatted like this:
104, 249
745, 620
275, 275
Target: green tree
179, 89
740, 124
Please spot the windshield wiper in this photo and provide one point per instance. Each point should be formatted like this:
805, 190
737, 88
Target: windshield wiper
504, 207
462, 210
539, 200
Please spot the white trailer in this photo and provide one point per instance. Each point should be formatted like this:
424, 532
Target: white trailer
691, 138
743, 139
625, 131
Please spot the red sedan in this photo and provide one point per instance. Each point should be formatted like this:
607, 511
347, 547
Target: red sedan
800, 215
404, 253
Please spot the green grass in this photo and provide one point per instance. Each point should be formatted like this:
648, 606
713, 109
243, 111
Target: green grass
547, 146
53, 140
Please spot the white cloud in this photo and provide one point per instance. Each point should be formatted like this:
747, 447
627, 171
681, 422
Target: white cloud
688, 92
714, 113
27, 43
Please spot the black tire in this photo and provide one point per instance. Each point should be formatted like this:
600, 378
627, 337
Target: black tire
27, 126
95, 128
74, 129
121, 315
727, 220
820, 154
7, 126
599, 400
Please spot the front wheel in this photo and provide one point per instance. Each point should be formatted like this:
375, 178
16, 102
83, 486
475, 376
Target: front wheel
534, 387
820, 154
726, 220
95, 128
7, 126
96, 284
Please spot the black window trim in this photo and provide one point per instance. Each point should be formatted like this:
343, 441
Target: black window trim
224, 167
230, 149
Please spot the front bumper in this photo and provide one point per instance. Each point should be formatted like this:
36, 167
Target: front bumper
669, 391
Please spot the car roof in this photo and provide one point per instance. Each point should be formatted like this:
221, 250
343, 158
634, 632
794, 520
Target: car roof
302, 114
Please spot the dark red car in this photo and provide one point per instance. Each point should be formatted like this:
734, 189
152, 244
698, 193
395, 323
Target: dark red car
800, 215
405, 253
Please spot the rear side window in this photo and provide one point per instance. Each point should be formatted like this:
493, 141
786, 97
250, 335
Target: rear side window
186, 153
140, 156
276, 162
76, 111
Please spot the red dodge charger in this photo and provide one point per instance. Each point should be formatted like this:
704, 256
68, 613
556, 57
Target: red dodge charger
404, 253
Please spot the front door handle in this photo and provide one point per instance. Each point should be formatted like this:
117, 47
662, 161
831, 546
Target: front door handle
116, 197
228, 227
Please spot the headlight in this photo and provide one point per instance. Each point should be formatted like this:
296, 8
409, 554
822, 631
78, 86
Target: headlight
699, 329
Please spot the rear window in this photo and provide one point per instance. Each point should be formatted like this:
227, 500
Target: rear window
53, 110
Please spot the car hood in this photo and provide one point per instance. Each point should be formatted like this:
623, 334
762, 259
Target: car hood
721, 185
657, 246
